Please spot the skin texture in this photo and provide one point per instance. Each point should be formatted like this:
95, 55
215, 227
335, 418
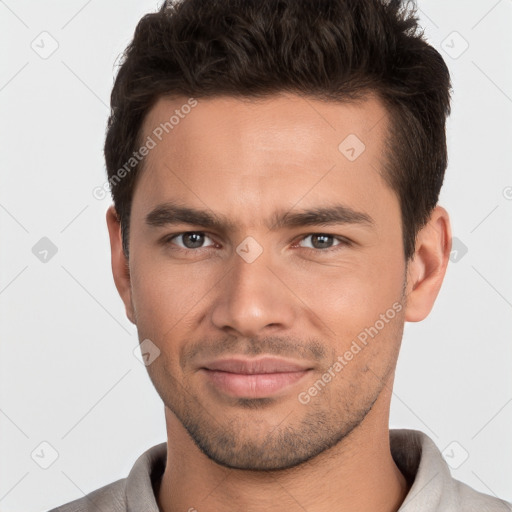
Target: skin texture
302, 298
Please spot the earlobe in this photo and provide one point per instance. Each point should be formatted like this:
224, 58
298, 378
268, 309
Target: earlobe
120, 267
427, 269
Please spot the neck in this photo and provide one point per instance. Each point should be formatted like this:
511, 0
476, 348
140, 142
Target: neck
358, 474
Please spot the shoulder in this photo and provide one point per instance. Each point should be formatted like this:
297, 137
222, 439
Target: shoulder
471, 500
135, 492
110, 497
432, 486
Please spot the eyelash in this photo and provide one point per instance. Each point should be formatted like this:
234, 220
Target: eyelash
344, 242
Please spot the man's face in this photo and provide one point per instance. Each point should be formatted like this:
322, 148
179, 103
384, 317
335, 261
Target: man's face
256, 287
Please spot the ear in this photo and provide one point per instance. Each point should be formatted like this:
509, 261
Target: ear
120, 268
427, 268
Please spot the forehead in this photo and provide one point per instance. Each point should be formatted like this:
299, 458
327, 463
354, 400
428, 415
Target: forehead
228, 153
291, 123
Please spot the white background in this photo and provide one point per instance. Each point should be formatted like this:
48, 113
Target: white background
68, 373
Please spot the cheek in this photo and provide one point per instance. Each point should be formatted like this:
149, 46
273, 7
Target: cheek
357, 288
350, 298
163, 294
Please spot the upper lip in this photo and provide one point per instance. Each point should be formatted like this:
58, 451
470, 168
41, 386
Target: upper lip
253, 366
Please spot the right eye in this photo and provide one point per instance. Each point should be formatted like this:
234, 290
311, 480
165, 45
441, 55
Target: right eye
190, 240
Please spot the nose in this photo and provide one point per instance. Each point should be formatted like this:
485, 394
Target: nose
254, 298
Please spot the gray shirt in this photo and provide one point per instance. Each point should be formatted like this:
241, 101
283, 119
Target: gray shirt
433, 488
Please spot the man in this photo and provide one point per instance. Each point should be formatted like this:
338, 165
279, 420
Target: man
275, 168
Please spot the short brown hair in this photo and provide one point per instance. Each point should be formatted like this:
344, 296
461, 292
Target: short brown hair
334, 50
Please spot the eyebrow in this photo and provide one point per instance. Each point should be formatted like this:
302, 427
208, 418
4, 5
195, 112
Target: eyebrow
170, 213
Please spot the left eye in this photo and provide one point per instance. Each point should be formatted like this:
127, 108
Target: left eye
322, 241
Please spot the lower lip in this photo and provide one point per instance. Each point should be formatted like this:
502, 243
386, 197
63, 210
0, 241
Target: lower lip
258, 385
